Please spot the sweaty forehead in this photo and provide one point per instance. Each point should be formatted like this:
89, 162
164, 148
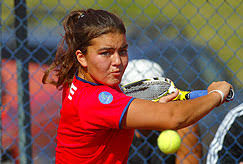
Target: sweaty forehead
109, 40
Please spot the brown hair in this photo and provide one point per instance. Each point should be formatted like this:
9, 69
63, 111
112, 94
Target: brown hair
81, 26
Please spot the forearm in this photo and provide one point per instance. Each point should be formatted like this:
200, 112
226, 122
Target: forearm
187, 113
144, 114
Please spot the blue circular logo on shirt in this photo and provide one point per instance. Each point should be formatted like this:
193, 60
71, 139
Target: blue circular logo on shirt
105, 97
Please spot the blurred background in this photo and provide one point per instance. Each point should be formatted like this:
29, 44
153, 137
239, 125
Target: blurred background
194, 42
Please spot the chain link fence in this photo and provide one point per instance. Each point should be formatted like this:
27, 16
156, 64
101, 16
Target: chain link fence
194, 43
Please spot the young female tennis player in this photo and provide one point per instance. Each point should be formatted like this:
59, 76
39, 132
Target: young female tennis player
97, 120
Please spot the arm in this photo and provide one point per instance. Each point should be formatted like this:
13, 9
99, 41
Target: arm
163, 99
190, 150
145, 114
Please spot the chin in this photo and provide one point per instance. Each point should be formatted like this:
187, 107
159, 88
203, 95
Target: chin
114, 83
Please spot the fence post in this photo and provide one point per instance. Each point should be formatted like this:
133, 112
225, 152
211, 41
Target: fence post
24, 115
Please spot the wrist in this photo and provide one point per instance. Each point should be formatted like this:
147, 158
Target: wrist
219, 92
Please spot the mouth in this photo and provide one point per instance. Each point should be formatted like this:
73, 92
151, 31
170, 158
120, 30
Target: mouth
116, 73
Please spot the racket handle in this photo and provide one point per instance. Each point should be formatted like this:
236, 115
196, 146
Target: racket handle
199, 93
196, 94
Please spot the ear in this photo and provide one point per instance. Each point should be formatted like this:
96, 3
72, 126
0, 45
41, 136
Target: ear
81, 58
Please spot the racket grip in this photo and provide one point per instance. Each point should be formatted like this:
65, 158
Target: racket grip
199, 93
196, 94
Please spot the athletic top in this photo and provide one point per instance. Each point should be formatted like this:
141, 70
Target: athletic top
89, 130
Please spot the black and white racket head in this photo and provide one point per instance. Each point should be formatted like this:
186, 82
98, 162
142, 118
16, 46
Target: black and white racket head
149, 89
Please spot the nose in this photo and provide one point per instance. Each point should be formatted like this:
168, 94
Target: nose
116, 59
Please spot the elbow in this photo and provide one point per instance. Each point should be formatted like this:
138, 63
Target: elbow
174, 124
177, 121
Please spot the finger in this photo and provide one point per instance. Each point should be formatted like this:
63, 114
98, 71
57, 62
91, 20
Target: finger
169, 97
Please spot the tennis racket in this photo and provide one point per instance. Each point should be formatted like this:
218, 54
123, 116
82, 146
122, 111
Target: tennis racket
155, 88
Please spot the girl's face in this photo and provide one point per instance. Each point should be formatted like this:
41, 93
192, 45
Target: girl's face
106, 59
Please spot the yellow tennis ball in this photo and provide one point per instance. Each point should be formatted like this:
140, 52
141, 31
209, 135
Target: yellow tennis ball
169, 141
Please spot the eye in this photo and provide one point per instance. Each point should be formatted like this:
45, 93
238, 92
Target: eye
106, 53
123, 52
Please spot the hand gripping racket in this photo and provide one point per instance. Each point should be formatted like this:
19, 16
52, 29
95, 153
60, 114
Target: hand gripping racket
155, 88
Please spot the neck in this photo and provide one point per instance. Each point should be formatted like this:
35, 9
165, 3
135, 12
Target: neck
86, 76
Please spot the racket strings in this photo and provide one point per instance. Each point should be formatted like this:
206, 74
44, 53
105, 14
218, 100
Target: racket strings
149, 90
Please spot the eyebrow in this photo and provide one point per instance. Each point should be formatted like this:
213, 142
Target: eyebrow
109, 48
125, 46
